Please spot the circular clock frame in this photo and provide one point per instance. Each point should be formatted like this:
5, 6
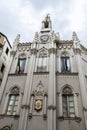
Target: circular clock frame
44, 38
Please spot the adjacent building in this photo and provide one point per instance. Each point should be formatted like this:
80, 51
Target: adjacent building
45, 85
5, 49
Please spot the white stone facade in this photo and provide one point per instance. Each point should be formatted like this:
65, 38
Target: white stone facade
49, 86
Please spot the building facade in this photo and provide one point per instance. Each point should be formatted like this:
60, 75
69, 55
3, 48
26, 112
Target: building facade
45, 85
5, 49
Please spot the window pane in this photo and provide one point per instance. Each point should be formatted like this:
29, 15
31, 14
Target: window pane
11, 102
9, 108
42, 64
65, 64
21, 65
9, 113
12, 97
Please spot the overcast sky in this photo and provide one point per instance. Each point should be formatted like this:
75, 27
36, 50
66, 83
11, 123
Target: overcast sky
24, 17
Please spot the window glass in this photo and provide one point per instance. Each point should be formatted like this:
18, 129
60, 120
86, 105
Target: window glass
21, 65
68, 103
2, 68
7, 50
12, 104
65, 64
42, 64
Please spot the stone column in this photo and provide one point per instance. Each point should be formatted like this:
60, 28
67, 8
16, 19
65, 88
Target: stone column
5, 105
60, 105
71, 63
52, 90
19, 104
59, 63
45, 105
31, 105
27, 93
76, 105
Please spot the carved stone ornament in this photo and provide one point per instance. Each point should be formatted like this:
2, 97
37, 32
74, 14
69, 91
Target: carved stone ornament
38, 104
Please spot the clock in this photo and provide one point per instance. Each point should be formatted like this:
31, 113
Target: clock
44, 38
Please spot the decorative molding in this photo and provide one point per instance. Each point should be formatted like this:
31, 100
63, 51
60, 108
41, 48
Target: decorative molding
52, 107
41, 73
52, 50
25, 106
67, 73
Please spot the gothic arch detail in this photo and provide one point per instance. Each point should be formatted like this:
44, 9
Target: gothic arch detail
6, 128
42, 52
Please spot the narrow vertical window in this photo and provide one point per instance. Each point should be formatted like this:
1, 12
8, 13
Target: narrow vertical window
65, 64
7, 51
68, 103
13, 102
21, 65
2, 68
42, 61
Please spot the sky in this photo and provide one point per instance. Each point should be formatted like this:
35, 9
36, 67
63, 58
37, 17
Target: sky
24, 17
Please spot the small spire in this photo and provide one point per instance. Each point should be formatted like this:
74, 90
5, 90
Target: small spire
75, 37
17, 39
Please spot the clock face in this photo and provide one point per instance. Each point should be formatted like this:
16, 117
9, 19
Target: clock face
44, 38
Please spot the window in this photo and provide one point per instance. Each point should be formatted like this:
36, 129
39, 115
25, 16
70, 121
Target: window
21, 65
68, 103
42, 62
7, 50
13, 101
65, 64
2, 68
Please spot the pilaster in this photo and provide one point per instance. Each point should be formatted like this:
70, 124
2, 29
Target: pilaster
82, 83
52, 90
27, 92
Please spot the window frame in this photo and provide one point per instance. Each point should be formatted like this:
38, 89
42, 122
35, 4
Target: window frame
65, 64
66, 97
42, 61
12, 101
19, 65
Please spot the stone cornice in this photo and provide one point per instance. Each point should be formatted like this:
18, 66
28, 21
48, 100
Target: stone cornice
41, 73
67, 73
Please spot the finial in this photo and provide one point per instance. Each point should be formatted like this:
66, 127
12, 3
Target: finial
17, 39
75, 37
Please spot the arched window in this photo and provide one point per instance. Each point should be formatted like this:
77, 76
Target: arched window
42, 61
65, 63
68, 103
13, 101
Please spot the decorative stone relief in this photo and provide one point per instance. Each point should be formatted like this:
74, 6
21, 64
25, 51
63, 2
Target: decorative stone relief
38, 100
